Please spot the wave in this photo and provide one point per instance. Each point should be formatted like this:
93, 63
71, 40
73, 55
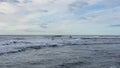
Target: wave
73, 64
13, 42
13, 45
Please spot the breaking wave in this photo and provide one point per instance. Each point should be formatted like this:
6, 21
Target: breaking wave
11, 44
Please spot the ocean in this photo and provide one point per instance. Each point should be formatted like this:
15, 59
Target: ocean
59, 51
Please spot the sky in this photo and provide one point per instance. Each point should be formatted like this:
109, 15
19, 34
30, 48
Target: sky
59, 17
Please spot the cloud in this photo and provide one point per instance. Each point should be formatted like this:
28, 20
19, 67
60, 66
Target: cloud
110, 2
16, 1
2, 24
44, 26
117, 25
78, 5
57, 16
7, 8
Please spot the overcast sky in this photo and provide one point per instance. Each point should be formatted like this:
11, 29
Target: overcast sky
77, 17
